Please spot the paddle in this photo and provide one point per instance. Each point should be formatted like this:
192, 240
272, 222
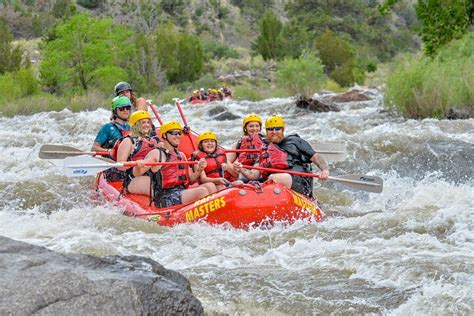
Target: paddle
332, 152
355, 181
186, 130
80, 166
51, 151
153, 108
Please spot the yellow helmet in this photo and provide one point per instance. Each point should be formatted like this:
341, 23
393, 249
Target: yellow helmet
169, 126
251, 118
274, 121
206, 135
196, 91
137, 116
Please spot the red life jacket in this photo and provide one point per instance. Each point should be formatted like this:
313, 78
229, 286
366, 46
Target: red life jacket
273, 157
214, 161
174, 175
249, 142
141, 147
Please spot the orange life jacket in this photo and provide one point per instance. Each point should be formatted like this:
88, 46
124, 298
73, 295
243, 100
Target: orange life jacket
174, 175
214, 161
254, 141
273, 157
141, 147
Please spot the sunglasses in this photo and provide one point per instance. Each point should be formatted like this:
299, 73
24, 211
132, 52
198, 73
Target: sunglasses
175, 133
271, 129
125, 108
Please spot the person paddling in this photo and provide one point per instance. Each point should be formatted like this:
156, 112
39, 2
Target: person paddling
217, 171
169, 185
286, 153
135, 148
109, 133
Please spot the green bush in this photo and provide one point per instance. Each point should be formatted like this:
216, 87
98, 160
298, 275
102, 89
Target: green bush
337, 54
423, 87
249, 93
216, 50
301, 76
19, 84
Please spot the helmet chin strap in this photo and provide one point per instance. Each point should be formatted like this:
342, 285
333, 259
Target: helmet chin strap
174, 146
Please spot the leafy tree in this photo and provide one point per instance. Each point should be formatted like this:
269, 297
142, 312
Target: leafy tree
180, 55
441, 21
338, 57
301, 76
10, 57
63, 9
269, 43
81, 50
295, 38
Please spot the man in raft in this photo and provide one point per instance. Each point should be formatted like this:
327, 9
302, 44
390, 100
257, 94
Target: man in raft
286, 153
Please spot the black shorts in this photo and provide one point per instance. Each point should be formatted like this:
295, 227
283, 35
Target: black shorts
170, 197
303, 185
113, 174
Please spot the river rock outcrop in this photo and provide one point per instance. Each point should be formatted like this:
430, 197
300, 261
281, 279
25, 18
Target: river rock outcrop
35, 280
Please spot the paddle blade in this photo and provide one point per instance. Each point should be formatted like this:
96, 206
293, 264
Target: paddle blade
331, 152
361, 182
81, 166
51, 151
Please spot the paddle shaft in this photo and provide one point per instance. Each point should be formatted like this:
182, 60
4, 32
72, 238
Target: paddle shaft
153, 108
74, 153
360, 182
131, 164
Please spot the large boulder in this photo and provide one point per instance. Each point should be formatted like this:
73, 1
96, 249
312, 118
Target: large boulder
35, 280
316, 105
221, 113
349, 96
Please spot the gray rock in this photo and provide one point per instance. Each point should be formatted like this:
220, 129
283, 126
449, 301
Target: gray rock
35, 280
220, 113
316, 105
457, 114
349, 96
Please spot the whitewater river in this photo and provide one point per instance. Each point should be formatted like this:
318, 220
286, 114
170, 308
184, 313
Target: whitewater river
406, 251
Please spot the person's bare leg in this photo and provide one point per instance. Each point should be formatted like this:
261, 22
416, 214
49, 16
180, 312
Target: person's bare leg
192, 194
140, 185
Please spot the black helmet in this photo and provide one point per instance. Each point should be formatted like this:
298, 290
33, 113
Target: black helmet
122, 86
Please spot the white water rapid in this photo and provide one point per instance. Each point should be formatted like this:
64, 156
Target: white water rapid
406, 251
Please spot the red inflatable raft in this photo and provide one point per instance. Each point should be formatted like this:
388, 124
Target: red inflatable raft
240, 206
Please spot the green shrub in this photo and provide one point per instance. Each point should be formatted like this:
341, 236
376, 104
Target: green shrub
19, 84
167, 96
301, 76
216, 50
423, 87
249, 93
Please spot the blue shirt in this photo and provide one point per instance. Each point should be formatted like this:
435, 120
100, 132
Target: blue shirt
109, 133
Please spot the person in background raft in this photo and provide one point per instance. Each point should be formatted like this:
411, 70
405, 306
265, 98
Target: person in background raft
135, 147
252, 139
125, 89
169, 185
217, 171
286, 153
110, 132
